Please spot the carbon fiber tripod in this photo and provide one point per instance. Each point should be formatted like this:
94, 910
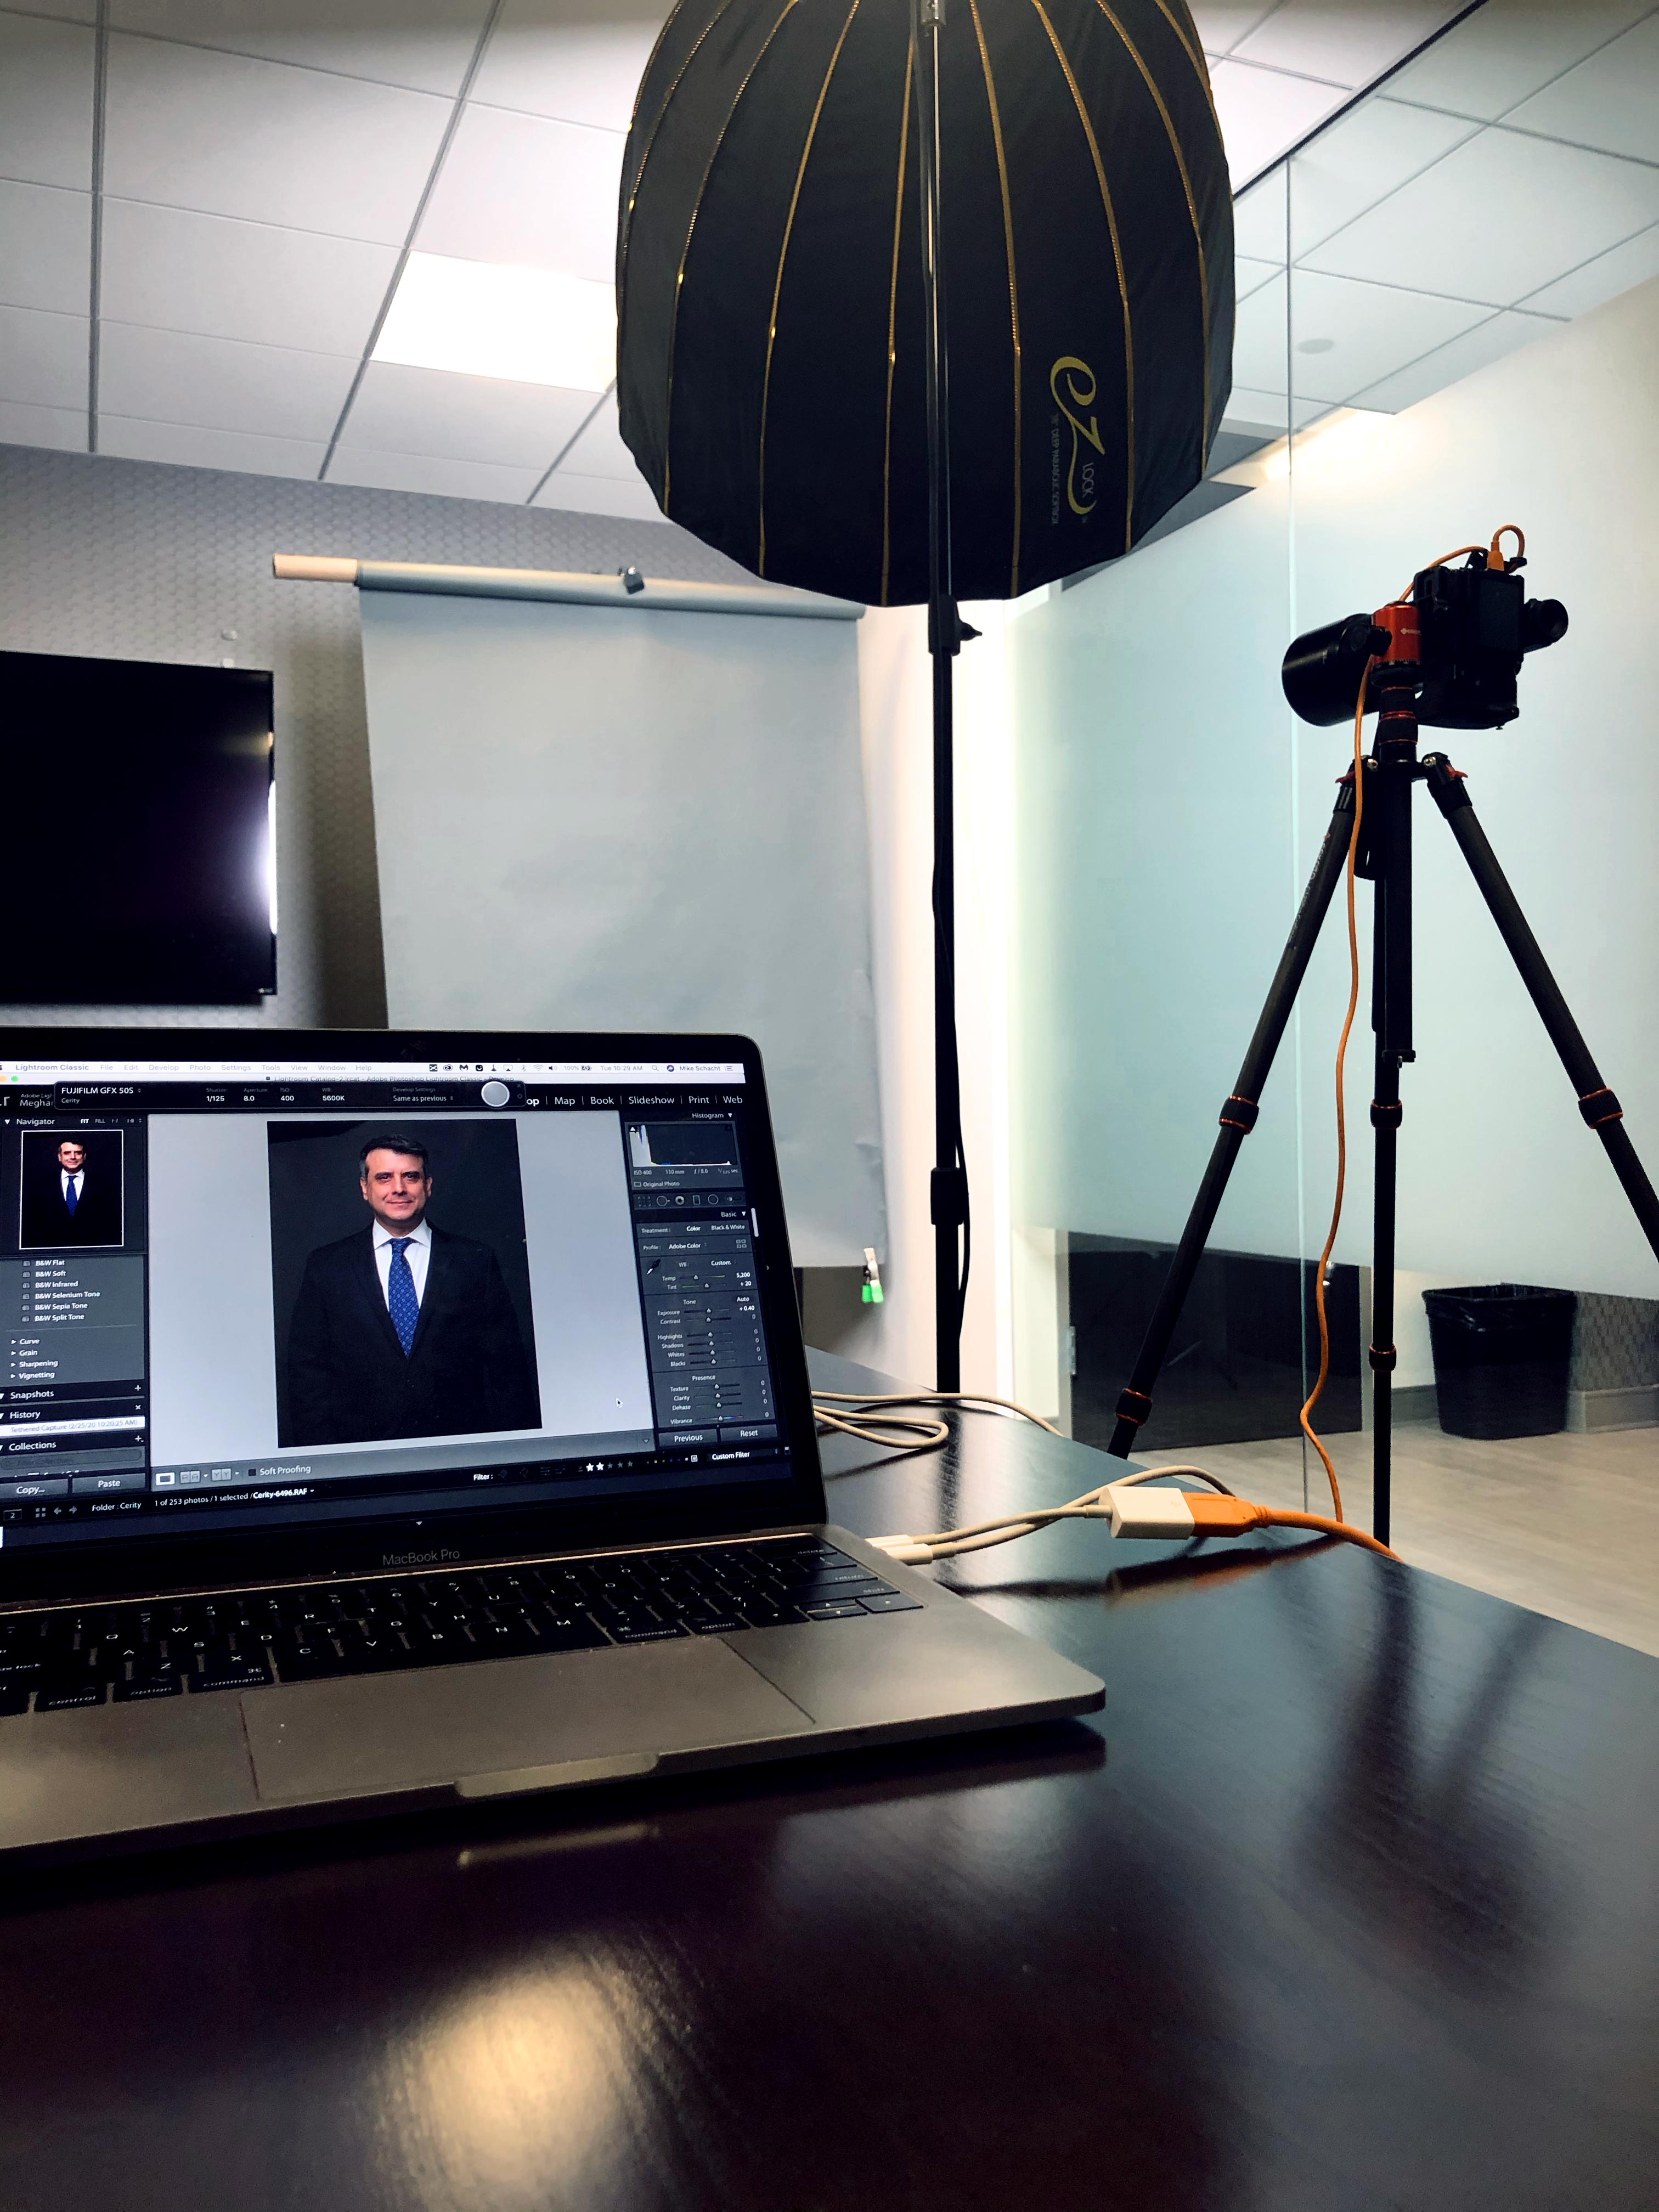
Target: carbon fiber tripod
1392, 770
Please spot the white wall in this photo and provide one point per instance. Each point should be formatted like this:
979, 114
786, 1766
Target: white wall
1171, 807
135, 561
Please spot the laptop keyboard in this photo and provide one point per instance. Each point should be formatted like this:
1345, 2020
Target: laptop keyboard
60, 1660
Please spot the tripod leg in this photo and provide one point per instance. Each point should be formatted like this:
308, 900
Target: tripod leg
1238, 1116
1599, 1108
1386, 1115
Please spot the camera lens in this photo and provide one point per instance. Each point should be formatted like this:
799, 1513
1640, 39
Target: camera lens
1323, 668
1544, 622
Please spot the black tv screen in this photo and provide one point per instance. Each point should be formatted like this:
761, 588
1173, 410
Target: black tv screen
136, 846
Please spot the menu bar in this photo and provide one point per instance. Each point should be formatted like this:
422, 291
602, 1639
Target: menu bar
37, 1072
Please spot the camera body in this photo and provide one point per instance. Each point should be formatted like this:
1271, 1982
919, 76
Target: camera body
1466, 632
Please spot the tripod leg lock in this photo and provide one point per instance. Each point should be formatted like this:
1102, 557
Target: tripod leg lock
1134, 1405
1384, 1356
1387, 1113
1238, 1113
1599, 1106
1445, 784
948, 1194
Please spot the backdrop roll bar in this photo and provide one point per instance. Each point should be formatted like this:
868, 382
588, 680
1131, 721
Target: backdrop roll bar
572, 588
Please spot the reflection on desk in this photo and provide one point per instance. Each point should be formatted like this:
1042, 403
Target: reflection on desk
1344, 1902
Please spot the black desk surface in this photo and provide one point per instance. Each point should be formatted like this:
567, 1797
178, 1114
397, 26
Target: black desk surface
1347, 1900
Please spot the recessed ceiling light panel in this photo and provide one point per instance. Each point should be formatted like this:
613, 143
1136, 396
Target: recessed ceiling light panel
477, 318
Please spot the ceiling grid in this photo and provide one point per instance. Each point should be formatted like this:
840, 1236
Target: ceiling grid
207, 212
438, 160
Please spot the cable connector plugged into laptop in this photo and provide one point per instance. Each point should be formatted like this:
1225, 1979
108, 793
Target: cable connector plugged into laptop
922, 1550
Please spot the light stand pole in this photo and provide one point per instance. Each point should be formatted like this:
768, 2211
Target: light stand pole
948, 1192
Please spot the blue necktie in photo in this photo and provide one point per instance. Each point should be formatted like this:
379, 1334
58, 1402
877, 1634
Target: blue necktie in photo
71, 1198
401, 1301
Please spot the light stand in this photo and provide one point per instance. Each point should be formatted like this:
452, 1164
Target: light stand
948, 1193
783, 379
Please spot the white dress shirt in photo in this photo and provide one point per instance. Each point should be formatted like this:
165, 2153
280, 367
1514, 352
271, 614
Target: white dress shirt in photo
418, 1255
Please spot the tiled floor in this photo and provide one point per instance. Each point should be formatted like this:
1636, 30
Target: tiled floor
1568, 1525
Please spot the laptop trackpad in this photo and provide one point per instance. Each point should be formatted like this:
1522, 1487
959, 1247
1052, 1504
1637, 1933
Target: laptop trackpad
501, 1725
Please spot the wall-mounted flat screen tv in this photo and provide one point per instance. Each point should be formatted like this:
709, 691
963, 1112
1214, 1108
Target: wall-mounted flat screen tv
135, 833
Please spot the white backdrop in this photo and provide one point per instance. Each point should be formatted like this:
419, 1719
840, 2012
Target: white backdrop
632, 819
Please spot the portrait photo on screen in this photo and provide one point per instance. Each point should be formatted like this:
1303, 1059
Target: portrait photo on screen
401, 1281
70, 1194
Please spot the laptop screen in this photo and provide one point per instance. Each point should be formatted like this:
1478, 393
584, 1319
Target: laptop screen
251, 1296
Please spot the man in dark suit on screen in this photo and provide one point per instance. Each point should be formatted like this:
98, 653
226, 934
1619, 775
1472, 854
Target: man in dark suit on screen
67, 1200
403, 1329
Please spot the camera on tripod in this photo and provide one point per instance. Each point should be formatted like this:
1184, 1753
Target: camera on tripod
1466, 630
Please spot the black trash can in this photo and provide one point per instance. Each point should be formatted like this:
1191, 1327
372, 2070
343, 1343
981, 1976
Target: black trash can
1502, 1355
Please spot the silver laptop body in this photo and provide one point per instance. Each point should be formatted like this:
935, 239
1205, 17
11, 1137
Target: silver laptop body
393, 1420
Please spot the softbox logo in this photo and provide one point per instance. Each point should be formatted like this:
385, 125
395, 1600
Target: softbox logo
1073, 385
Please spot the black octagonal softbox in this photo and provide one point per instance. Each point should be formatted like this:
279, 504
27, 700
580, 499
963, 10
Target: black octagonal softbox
769, 285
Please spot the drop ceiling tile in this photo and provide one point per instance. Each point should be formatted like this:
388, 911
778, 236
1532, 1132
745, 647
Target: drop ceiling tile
1604, 278
1250, 275
1505, 53
45, 248
1348, 42
45, 102
186, 447
1267, 410
1477, 349
63, 428
360, 465
579, 495
1358, 332
1260, 221
1259, 342
578, 61
1346, 336
1263, 112
1249, 410
231, 136
43, 358
1222, 23
517, 189
1526, 211
1381, 145
1611, 100
423, 43
67, 11
463, 418
220, 384
599, 451
210, 274
1252, 410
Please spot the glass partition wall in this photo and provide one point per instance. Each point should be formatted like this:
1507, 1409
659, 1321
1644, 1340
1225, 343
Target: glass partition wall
1447, 321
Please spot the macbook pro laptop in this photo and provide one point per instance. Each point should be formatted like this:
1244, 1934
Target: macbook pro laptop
393, 1419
